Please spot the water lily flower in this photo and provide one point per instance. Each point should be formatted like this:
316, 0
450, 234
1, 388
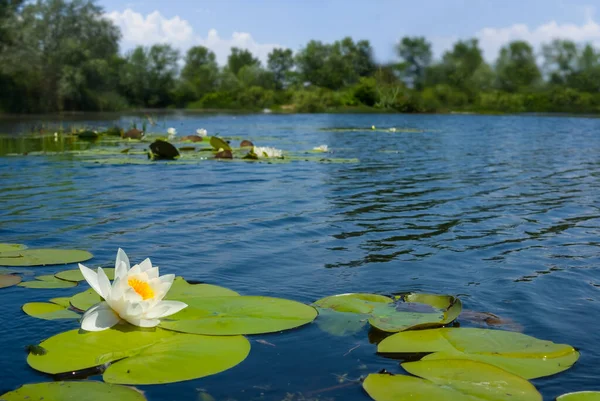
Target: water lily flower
172, 132
372, 127
201, 132
392, 129
266, 152
322, 148
136, 295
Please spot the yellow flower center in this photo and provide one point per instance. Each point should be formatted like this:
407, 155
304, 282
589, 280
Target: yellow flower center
141, 287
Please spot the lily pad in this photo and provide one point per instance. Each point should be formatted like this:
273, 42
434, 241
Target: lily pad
218, 143
49, 311
517, 353
76, 276
182, 289
72, 390
11, 247
410, 312
62, 301
450, 380
163, 150
8, 280
152, 356
47, 282
233, 315
43, 257
580, 396
339, 324
85, 300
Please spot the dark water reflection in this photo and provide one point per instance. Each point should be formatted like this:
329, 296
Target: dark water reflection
503, 210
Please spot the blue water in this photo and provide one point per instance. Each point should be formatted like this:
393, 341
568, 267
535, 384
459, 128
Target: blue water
500, 210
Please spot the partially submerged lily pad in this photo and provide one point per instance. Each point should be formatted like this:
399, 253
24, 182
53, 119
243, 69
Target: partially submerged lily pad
43, 257
450, 380
219, 144
72, 390
410, 312
48, 311
233, 315
580, 396
47, 282
9, 280
76, 276
11, 247
340, 324
517, 353
163, 150
138, 356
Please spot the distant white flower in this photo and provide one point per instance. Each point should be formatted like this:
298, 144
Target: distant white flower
265, 152
322, 148
372, 127
392, 129
172, 132
201, 132
136, 295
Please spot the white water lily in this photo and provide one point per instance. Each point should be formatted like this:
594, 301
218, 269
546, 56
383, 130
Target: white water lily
266, 152
172, 132
136, 295
322, 148
201, 132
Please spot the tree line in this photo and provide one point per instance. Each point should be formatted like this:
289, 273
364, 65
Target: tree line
60, 55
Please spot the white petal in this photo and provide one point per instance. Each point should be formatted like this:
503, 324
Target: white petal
145, 265
167, 279
143, 322
165, 308
91, 277
135, 270
121, 257
152, 273
103, 283
99, 317
134, 310
116, 291
131, 296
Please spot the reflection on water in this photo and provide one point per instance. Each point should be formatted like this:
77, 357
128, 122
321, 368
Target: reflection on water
502, 210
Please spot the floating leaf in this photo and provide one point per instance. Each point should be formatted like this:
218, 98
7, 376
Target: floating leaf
76, 276
580, 396
518, 353
62, 301
239, 315
148, 356
163, 150
450, 380
43, 257
340, 323
8, 280
183, 289
85, 300
72, 390
11, 247
414, 310
48, 311
219, 144
47, 282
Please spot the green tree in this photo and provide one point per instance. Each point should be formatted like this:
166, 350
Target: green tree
461, 64
516, 67
415, 56
586, 78
200, 72
280, 63
560, 60
240, 58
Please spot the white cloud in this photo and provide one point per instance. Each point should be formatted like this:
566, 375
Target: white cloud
155, 28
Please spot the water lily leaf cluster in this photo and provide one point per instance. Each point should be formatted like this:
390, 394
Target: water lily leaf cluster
73, 390
42, 257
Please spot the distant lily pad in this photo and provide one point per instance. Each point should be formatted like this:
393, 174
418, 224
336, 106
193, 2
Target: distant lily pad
48, 311
72, 390
140, 356
11, 247
450, 381
517, 353
233, 315
580, 396
43, 257
76, 276
47, 282
8, 280
410, 312
218, 143
163, 150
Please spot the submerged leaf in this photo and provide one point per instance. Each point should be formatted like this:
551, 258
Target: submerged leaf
72, 390
43, 257
11, 247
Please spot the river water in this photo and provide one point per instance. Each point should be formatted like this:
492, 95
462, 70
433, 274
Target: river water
502, 211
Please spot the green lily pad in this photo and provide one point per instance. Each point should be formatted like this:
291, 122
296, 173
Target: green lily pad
12, 247
47, 282
452, 381
48, 311
139, 356
580, 396
163, 150
43, 257
62, 301
339, 324
76, 276
218, 143
72, 390
85, 300
410, 312
235, 315
517, 353
8, 280
183, 289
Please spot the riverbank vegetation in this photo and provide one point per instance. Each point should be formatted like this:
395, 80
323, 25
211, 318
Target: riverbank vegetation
58, 55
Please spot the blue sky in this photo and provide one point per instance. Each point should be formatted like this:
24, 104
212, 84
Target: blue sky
261, 25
